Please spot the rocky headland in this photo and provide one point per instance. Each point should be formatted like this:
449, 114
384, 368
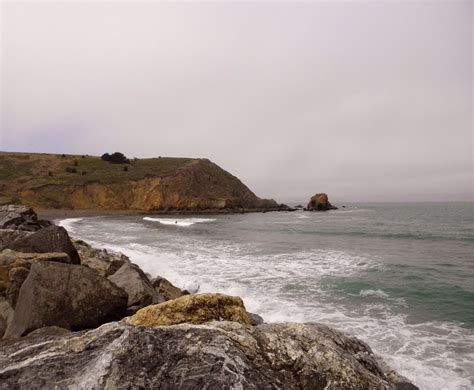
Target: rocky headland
160, 185
73, 316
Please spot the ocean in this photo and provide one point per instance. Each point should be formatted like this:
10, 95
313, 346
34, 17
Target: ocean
398, 276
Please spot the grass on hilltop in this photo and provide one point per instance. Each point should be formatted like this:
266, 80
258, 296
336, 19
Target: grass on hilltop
29, 170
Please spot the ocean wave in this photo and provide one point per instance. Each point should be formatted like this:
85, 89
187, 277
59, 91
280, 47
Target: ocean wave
374, 293
379, 294
287, 287
180, 221
426, 352
396, 236
68, 223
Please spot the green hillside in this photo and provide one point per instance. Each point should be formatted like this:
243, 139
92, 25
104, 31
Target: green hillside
88, 182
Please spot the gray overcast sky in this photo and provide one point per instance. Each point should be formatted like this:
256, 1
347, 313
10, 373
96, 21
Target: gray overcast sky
362, 100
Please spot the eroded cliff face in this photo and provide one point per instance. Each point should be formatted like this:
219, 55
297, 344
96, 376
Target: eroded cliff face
198, 186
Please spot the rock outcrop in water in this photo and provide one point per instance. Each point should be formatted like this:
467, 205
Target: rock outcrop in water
50, 304
320, 202
167, 185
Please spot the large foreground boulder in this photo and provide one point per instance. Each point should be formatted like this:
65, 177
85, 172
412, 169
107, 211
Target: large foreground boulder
195, 309
51, 239
69, 296
218, 355
320, 202
18, 217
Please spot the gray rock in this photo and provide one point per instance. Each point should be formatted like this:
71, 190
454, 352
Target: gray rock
104, 262
6, 315
17, 276
13, 215
69, 296
18, 217
11, 259
8, 236
217, 355
133, 280
255, 319
166, 289
51, 239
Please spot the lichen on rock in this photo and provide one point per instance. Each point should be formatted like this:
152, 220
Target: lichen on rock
195, 309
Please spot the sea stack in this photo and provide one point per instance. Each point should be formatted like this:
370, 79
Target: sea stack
320, 202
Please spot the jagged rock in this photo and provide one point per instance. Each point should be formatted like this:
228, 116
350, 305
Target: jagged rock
284, 207
218, 355
65, 295
51, 239
133, 280
6, 315
10, 259
17, 276
166, 289
255, 319
18, 217
320, 202
103, 261
8, 236
195, 309
12, 215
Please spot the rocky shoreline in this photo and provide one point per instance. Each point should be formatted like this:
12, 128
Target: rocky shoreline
74, 316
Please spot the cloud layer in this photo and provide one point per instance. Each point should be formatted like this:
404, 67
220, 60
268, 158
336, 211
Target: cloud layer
365, 101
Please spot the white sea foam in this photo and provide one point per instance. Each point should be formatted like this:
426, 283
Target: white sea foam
302, 216
68, 223
180, 221
374, 293
287, 287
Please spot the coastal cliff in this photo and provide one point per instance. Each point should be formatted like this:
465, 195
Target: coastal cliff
164, 184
